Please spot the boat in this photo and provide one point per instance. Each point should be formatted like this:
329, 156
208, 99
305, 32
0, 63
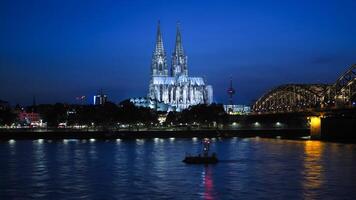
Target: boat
205, 158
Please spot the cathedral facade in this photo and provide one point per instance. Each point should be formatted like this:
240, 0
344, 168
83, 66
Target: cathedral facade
174, 87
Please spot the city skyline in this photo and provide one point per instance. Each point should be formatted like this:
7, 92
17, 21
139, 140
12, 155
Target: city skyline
108, 45
159, 99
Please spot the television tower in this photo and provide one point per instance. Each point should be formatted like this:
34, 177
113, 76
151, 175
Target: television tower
230, 92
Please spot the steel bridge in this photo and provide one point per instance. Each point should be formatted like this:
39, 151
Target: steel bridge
302, 97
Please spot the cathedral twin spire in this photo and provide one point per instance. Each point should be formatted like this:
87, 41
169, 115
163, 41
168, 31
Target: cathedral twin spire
159, 43
159, 61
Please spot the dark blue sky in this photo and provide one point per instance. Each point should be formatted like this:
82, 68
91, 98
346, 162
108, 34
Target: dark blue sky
57, 50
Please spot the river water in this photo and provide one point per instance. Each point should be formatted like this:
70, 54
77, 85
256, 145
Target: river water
153, 169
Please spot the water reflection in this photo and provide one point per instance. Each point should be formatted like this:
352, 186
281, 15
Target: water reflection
313, 169
208, 183
92, 151
130, 169
140, 141
12, 144
39, 169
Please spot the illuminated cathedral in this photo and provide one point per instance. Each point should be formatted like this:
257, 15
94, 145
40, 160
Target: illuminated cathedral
174, 87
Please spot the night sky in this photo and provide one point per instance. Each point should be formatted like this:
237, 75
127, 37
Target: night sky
57, 50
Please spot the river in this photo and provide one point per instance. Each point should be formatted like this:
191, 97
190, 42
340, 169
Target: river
249, 168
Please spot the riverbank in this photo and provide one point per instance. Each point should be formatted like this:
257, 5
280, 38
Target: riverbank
108, 135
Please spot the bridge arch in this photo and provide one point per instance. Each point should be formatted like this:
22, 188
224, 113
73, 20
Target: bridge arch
291, 97
344, 89
297, 97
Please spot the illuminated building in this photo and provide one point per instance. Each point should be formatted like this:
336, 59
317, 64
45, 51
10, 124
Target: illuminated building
175, 88
31, 118
100, 99
162, 118
149, 103
237, 109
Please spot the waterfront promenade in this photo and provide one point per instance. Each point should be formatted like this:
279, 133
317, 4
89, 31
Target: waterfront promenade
137, 134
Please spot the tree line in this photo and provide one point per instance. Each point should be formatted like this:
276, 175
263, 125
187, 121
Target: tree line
110, 114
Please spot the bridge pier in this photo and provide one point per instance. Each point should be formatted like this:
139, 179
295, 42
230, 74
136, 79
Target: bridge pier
315, 127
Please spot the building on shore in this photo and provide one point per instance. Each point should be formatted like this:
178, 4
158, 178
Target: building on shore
31, 119
149, 103
175, 87
237, 109
100, 99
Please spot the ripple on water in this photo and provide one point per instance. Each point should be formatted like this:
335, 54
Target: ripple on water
131, 169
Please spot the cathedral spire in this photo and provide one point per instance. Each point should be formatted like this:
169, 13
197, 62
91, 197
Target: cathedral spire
179, 47
159, 42
179, 60
159, 61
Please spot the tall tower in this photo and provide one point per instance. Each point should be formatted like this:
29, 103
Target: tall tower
159, 61
230, 92
179, 60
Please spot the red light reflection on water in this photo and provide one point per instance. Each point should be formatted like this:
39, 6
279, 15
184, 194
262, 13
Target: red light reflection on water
208, 183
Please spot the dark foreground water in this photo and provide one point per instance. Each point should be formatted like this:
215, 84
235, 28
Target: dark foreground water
152, 169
